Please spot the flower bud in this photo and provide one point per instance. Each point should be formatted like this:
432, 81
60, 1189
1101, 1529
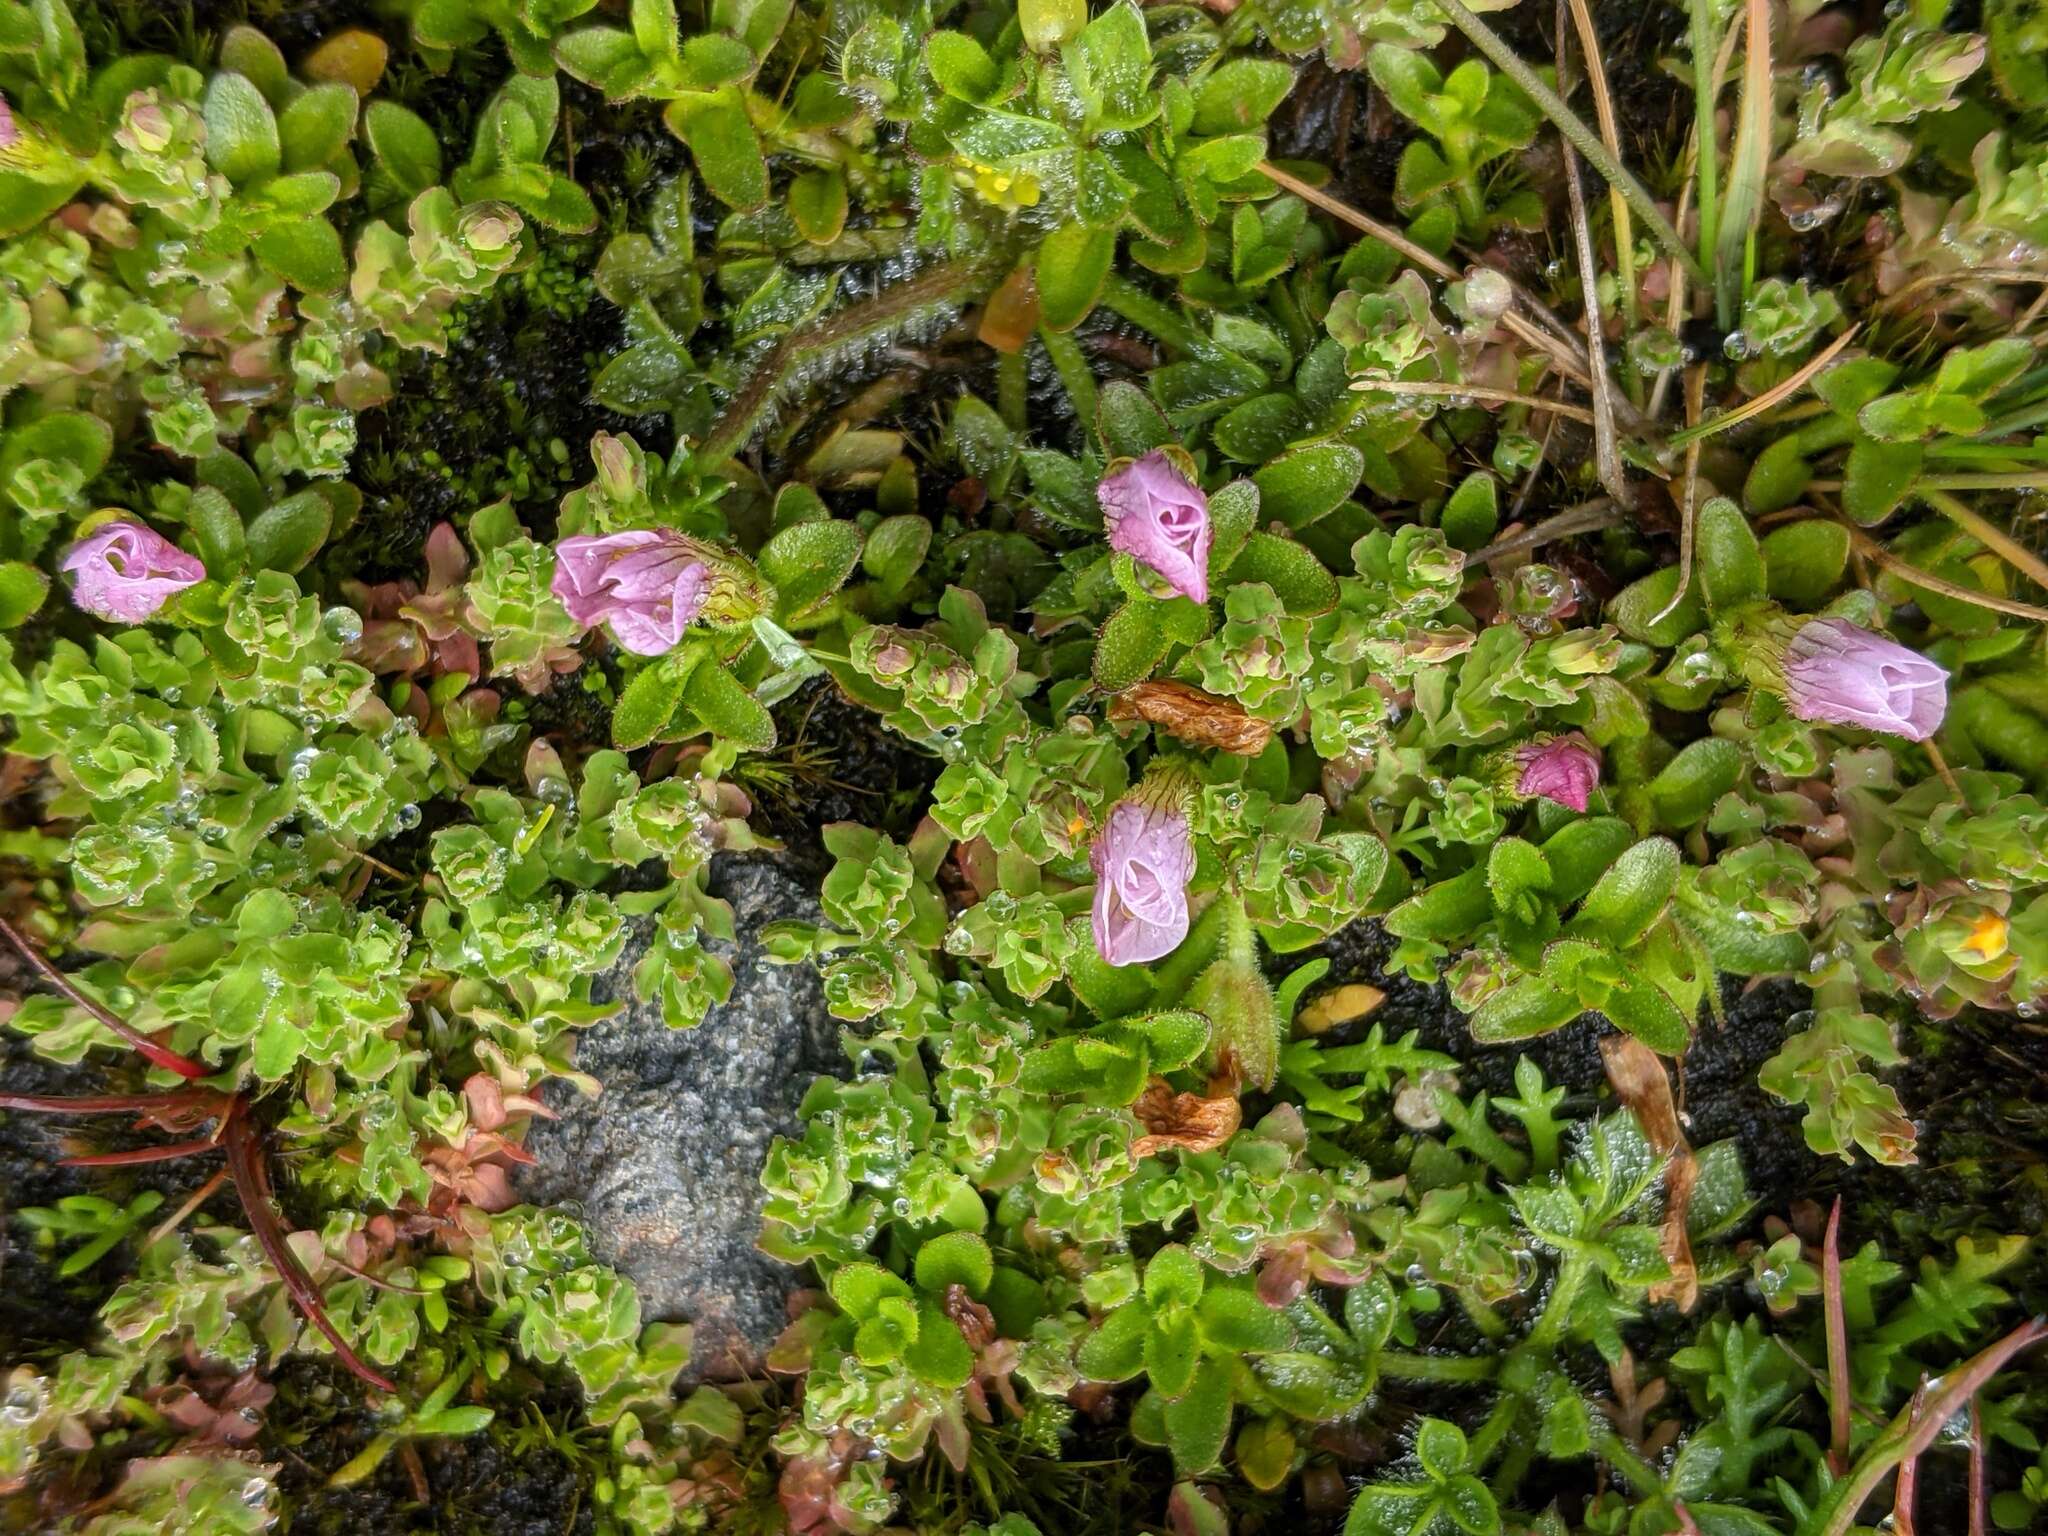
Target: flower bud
1844, 674
1143, 859
1154, 515
126, 572
1561, 768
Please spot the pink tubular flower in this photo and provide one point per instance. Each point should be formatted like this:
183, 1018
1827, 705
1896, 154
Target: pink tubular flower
647, 584
1142, 858
1842, 673
1563, 768
1155, 516
126, 572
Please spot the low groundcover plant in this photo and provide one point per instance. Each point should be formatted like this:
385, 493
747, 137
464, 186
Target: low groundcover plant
1451, 931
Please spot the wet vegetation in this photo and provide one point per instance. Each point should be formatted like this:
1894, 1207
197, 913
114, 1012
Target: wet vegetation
1404, 639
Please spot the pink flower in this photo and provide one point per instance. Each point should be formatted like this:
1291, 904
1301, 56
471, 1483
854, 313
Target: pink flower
1153, 515
1842, 673
1142, 858
126, 572
9, 134
1564, 768
647, 584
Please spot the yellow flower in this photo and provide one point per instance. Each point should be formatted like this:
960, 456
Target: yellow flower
1987, 937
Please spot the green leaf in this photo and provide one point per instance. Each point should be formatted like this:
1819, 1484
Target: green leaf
305, 252
1129, 424
404, 145
1172, 1350
1296, 576
1473, 1510
817, 205
896, 548
218, 527
1804, 562
1632, 895
650, 699
316, 126
288, 535
1635, 609
1472, 515
1130, 646
1408, 80
1198, 1423
1240, 94
722, 142
960, 66
22, 590
1731, 567
1440, 1447
1876, 478
1173, 1275
858, 1289
1237, 1322
1522, 1010
722, 703
250, 54
1116, 1350
1641, 1008
1073, 264
939, 1356
1114, 77
241, 130
955, 1258
1308, 483
1687, 787
25, 200
807, 564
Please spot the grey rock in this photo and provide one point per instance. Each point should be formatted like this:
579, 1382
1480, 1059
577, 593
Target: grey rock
665, 1163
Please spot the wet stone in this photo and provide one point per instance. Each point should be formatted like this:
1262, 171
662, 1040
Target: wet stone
665, 1164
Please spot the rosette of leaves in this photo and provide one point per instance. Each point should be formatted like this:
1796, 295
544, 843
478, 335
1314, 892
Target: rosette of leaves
1475, 117
1188, 1332
910, 1347
1300, 884
941, 679
1345, 29
1911, 69
275, 149
526, 27
1154, 146
1445, 1497
1621, 952
707, 82
508, 157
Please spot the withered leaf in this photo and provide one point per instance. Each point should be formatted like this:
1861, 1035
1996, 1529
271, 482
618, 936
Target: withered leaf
1640, 1081
1184, 1120
1188, 714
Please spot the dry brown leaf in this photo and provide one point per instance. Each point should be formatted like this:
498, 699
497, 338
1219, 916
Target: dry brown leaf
1637, 1073
1188, 714
1338, 1006
1184, 1120
1011, 315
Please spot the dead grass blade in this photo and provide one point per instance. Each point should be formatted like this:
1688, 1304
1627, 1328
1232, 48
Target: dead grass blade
1606, 452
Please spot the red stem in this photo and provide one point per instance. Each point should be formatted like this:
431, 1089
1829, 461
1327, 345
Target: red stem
1902, 1496
164, 1154
1839, 1397
252, 1183
1977, 1502
203, 1103
162, 1055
